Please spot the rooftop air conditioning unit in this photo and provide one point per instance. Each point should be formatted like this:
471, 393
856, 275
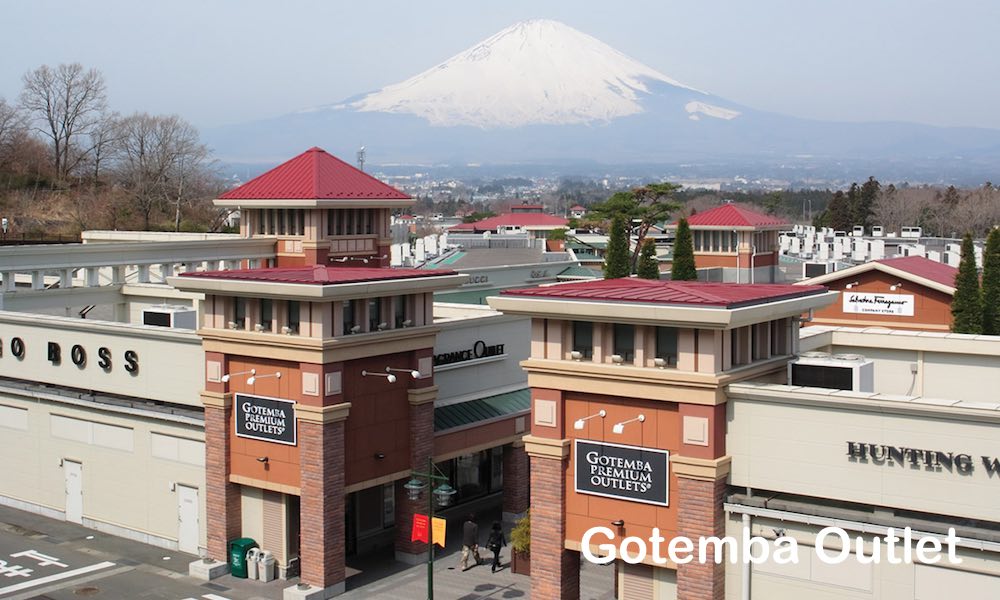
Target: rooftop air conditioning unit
851, 372
175, 317
815, 269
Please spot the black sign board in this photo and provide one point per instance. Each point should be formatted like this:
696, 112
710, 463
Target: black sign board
267, 419
623, 472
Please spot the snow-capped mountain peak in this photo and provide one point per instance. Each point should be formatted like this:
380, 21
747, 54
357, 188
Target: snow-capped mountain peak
534, 72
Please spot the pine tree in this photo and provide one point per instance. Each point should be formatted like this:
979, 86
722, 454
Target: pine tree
683, 268
617, 261
967, 304
991, 284
649, 268
838, 212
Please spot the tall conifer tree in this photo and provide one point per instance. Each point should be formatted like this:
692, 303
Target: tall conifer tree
967, 304
649, 268
617, 261
991, 284
683, 268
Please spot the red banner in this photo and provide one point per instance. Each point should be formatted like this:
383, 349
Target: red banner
420, 526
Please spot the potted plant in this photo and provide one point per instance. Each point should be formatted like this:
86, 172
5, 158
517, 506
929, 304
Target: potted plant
520, 546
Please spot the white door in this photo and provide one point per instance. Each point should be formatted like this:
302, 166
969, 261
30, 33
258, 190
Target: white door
74, 491
187, 519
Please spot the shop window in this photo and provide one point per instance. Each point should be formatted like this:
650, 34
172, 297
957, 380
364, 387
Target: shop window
624, 342
266, 313
374, 314
496, 480
583, 339
239, 313
294, 310
666, 345
388, 504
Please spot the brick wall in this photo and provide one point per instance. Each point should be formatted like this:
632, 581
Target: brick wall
421, 446
515, 479
322, 503
700, 514
555, 571
221, 496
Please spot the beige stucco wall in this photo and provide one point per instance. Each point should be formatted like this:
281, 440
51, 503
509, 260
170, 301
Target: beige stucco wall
126, 492
977, 577
801, 448
171, 367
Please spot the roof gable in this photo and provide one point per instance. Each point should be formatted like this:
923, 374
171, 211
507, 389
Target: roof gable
734, 215
314, 175
917, 269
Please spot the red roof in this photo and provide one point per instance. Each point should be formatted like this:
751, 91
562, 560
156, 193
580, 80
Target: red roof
314, 175
512, 220
318, 275
647, 291
577, 208
923, 267
733, 215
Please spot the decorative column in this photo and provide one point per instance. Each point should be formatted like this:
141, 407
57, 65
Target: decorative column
515, 482
221, 496
702, 487
555, 571
421, 400
322, 505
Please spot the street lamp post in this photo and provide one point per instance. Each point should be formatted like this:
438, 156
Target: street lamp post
443, 494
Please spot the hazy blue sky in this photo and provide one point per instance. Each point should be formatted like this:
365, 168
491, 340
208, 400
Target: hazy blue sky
215, 62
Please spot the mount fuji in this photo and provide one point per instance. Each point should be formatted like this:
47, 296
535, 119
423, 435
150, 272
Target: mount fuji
543, 92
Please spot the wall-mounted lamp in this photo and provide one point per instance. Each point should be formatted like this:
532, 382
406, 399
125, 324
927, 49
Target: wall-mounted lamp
389, 376
619, 428
408, 323
895, 286
262, 459
413, 372
618, 523
355, 329
379, 456
660, 363
851, 285
617, 359
581, 423
576, 355
228, 376
382, 326
253, 378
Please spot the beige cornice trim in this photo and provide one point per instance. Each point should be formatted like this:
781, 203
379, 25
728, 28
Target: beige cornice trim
486, 445
216, 399
315, 244
308, 292
418, 396
265, 485
546, 447
322, 414
384, 479
701, 469
317, 350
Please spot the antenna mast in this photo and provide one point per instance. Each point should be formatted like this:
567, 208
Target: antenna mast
361, 158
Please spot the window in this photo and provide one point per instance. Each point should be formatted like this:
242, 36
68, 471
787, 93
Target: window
399, 315
266, 313
349, 315
624, 343
666, 345
258, 216
240, 313
374, 313
583, 338
281, 223
293, 315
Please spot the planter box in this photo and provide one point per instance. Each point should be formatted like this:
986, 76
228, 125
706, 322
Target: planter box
520, 563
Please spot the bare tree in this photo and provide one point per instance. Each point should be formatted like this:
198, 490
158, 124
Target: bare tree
64, 103
103, 141
11, 128
160, 159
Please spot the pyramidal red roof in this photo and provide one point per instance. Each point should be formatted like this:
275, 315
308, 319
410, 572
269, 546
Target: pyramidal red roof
733, 215
314, 175
697, 293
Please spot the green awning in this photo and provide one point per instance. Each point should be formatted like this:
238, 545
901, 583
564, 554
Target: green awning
479, 410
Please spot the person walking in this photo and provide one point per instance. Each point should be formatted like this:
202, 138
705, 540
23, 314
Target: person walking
470, 542
495, 542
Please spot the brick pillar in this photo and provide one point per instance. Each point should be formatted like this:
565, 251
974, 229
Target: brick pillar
701, 492
221, 496
421, 447
321, 443
515, 482
555, 571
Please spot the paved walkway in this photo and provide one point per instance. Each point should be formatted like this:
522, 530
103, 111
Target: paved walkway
148, 572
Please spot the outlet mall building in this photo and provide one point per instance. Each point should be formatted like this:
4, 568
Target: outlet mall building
132, 424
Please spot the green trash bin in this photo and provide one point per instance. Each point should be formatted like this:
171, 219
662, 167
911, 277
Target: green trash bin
238, 549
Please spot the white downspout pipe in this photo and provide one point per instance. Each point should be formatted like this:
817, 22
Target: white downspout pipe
745, 584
